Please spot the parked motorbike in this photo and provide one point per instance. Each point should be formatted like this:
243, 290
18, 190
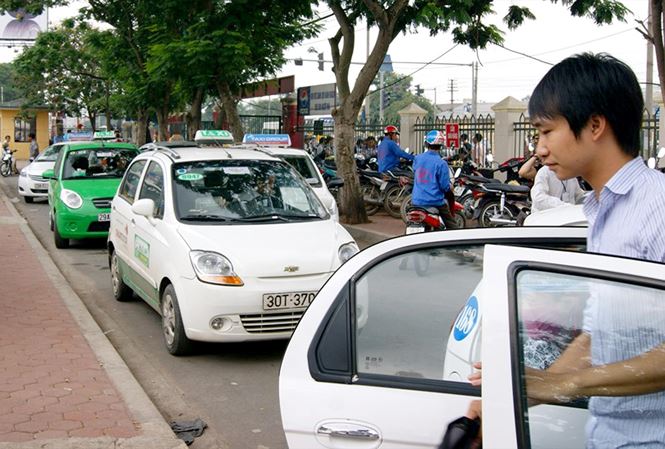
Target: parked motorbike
8, 166
502, 205
375, 187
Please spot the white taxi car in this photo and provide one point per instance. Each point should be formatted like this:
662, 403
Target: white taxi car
31, 184
278, 145
226, 243
381, 358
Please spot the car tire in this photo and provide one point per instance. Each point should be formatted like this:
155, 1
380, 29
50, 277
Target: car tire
173, 330
60, 241
28, 199
121, 292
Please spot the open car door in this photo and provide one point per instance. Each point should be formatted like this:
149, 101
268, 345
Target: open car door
540, 303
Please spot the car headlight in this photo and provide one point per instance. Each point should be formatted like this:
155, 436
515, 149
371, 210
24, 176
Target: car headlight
214, 268
24, 173
347, 251
71, 199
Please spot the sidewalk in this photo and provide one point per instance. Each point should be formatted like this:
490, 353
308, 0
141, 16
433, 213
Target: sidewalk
381, 227
62, 384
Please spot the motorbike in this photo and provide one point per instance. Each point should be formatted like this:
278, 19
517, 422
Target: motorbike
375, 187
459, 210
502, 204
427, 219
8, 166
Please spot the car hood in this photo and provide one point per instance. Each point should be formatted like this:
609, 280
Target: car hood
37, 168
565, 215
266, 250
93, 188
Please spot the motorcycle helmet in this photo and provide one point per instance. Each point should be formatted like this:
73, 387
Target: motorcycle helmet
391, 129
435, 139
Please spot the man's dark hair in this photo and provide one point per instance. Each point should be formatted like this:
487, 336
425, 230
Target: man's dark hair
31, 135
464, 136
586, 84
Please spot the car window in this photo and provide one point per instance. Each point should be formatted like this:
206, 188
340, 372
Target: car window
50, 154
103, 162
153, 187
621, 320
245, 191
305, 167
130, 184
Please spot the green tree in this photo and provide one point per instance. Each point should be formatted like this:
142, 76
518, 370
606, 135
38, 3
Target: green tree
466, 20
62, 70
8, 83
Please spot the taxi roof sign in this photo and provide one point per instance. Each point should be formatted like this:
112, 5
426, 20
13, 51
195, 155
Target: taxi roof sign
103, 135
217, 136
280, 140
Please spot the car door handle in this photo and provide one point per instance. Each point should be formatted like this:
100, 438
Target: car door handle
363, 434
133, 222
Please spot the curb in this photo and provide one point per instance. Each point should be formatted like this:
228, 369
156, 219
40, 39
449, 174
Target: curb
371, 237
155, 432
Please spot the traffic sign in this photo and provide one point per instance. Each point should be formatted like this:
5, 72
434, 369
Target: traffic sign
452, 135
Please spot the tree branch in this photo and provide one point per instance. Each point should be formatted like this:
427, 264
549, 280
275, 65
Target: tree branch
342, 61
657, 34
379, 14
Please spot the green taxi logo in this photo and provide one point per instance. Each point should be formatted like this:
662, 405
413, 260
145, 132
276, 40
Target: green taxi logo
142, 251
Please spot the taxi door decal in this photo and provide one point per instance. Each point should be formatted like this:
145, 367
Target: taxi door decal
142, 251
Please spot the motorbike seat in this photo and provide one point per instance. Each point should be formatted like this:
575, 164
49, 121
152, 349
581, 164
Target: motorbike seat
335, 182
371, 173
507, 188
481, 179
429, 209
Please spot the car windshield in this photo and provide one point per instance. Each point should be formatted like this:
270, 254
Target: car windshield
246, 191
103, 162
50, 154
305, 167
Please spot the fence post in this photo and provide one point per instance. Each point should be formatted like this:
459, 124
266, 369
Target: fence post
407, 119
506, 112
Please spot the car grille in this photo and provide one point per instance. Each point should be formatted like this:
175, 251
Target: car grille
271, 323
38, 178
102, 203
39, 190
99, 226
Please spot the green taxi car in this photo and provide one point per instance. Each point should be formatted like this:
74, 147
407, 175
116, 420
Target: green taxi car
82, 184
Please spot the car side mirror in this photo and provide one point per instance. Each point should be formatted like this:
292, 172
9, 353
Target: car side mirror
328, 202
312, 181
144, 207
49, 174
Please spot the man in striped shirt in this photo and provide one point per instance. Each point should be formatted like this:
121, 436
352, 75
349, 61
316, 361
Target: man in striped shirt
588, 111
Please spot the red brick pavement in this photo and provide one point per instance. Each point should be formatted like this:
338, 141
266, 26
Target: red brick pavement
51, 384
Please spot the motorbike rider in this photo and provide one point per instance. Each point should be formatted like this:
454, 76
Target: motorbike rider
431, 183
389, 151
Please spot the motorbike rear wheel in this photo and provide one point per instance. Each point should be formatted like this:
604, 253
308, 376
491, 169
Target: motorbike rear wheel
467, 200
5, 169
406, 204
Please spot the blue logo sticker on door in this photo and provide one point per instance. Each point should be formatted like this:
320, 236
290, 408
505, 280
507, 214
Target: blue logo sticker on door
466, 320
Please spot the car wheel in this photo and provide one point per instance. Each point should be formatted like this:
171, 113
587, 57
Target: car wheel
173, 330
28, 199
60, 242
121, 292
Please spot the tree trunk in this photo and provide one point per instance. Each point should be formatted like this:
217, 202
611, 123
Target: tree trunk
163, 123
93, 120
229, 103
141, 127
351, 204
194, 116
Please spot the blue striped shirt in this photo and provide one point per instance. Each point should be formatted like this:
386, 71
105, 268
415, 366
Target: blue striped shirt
628, 219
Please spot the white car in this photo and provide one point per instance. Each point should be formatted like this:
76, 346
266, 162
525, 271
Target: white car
227, 244
278, 145
565, 215
381, 358
31, 184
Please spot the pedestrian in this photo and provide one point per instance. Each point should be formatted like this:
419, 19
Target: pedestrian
389, 152
478, 150
465, 147
34, 147
6, 142
588, 111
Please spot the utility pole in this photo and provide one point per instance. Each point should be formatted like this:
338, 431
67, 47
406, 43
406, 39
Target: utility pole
474, 88
381, 96
367, 96
452, 88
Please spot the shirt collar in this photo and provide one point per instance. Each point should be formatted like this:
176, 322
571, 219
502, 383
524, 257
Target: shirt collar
627, 176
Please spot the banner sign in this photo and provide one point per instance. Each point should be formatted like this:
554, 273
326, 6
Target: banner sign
273, 86
317, 100
452, 135
82, 136
268, 139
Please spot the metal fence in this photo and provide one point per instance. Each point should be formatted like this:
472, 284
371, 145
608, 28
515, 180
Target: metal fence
261, 124
328, 129
648, 137
470, 125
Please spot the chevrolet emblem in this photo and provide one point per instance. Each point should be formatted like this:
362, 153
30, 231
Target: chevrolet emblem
291, 269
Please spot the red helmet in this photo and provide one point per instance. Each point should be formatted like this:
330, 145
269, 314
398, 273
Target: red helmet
390, 129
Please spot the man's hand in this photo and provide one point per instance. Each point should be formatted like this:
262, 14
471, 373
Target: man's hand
475, 378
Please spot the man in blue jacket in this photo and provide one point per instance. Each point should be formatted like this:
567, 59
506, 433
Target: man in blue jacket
389, 151
431, 184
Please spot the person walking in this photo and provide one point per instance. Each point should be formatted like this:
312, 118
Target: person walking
34, 147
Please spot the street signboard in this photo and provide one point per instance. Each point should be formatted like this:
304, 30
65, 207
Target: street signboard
317, 100
452, 135
275, 86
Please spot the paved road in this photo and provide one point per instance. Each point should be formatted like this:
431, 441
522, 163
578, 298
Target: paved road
233, 387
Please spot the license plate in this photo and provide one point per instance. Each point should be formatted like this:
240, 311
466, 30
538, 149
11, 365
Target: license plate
274, 301
41, 185
414, 229
458, 190
104, 217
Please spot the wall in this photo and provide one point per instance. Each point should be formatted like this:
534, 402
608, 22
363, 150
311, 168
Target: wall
7, 129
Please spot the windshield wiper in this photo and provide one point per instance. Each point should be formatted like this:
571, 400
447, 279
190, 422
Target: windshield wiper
205, 217
282, 217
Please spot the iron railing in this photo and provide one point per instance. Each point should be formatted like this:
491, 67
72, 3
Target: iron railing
482, 126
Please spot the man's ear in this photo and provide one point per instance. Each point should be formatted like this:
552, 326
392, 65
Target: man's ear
597, 125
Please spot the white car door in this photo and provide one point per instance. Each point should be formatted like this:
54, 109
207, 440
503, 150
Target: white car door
369, 363
541, 301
